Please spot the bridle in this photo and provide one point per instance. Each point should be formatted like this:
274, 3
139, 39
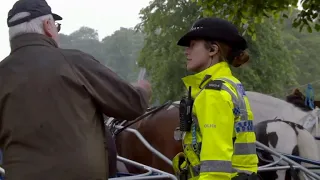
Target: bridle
116, 122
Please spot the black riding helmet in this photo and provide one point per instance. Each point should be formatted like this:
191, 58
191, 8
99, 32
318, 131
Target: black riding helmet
215, 29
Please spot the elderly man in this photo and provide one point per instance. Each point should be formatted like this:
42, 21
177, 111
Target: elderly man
52, 101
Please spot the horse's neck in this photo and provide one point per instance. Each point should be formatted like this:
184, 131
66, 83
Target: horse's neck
174, 105
267, 99
136, 125
311, 121
268, 107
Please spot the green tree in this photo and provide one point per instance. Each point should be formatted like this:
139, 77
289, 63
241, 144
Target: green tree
164, 22
122, 49
304, 48
85, 33
251, 12
118, 51
85, 39
271, 69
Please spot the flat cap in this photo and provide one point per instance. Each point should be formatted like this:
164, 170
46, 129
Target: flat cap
36, 8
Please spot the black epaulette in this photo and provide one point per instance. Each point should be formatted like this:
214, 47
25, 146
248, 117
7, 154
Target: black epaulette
215, 84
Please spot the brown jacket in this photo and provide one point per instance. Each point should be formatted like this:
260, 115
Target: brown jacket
51, 105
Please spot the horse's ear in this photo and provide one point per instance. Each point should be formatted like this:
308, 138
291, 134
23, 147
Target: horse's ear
296, 91
317, 104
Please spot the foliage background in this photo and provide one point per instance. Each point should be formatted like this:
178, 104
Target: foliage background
284, 53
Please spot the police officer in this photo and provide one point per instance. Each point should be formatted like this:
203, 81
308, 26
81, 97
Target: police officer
219, 143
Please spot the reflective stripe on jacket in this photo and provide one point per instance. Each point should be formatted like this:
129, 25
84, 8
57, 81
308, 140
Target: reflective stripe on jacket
224, 125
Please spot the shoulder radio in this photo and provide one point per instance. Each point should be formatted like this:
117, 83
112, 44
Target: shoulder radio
185, 112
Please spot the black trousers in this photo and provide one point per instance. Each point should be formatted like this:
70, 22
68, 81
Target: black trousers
112, 153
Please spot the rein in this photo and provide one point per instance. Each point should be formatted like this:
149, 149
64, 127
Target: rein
151, 111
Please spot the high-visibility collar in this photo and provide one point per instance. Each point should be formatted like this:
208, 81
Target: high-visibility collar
197, 81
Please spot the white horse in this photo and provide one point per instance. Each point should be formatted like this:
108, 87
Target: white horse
287, 136
267, 107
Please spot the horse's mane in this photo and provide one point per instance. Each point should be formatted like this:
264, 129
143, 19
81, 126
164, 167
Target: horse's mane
298, 100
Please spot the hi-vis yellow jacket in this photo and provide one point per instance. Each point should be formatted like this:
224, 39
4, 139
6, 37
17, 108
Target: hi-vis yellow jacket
223, 137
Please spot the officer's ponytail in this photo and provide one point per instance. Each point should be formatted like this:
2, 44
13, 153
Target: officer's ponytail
234, 57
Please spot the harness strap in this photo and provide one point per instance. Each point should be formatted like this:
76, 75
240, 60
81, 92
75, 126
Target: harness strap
194, 137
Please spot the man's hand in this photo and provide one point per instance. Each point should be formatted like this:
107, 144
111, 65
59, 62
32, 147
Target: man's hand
144, 84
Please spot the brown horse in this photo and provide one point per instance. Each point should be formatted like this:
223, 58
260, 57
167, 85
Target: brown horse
158, 130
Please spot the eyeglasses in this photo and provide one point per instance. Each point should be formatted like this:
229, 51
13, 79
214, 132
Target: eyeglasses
58, 25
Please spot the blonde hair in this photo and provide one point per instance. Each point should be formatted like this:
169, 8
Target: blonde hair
226, 52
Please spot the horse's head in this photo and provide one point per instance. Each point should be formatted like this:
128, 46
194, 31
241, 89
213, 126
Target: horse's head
298, 99
297, 92
309, 121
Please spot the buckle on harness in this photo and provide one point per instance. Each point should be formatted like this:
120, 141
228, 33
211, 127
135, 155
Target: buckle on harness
177, 134
195, 147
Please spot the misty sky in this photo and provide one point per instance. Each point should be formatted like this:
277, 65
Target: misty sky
106, 16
